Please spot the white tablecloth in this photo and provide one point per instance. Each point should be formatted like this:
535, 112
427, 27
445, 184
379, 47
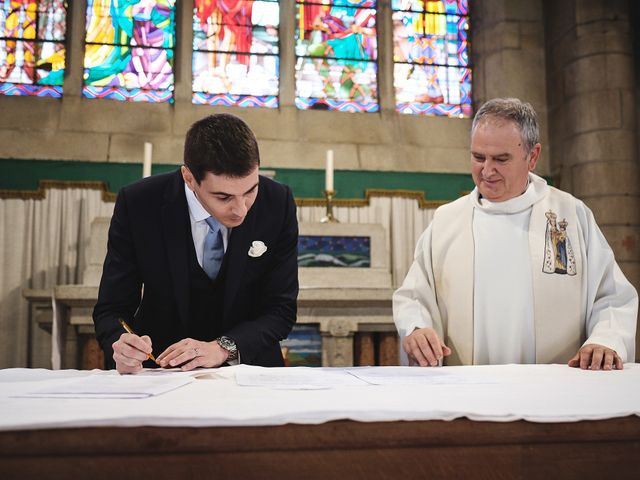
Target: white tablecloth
537, 393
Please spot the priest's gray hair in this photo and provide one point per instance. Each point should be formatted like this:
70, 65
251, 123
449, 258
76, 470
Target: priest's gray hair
515, 110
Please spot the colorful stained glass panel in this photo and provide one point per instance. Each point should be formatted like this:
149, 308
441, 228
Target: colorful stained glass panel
129, 50
32, 52
411, 44
235, 53
455, 7
431, 57
336, 53
433, 90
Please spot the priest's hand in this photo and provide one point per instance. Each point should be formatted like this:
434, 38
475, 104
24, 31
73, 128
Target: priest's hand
424, 347
189, 354
129, 351
596, 357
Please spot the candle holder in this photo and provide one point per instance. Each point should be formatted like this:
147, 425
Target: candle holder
329, 218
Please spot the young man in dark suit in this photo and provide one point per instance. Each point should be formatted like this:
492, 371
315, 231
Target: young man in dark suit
201, 262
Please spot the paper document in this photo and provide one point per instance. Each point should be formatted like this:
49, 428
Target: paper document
110, 386
414, 376
198, 373
296, 378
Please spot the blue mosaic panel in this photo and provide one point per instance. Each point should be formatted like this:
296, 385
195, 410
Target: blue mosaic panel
303, 347
334, 251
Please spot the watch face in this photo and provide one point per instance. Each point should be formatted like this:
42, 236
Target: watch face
227, 344
230, 346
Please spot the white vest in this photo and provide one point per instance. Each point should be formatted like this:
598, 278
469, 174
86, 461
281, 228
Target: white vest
556, 264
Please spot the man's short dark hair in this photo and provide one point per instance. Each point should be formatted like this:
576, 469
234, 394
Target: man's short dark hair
222, 144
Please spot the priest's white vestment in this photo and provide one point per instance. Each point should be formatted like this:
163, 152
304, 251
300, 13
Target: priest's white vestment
527, 280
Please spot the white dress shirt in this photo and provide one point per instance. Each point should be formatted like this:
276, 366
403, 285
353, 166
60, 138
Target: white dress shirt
199, 228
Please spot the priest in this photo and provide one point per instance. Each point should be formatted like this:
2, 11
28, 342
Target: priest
517, 271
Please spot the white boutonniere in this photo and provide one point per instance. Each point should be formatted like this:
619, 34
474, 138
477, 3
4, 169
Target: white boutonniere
257, 248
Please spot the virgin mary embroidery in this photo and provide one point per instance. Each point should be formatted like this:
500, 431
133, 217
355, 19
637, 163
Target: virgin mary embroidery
558, 254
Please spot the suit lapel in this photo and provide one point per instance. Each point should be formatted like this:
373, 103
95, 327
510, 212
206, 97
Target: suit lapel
175, 213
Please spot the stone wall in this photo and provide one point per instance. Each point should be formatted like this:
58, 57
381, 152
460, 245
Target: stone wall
509, 58
593, 111
506, 50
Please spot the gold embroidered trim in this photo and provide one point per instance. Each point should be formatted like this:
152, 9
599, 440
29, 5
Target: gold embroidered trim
108, 196
373, 192
44, 185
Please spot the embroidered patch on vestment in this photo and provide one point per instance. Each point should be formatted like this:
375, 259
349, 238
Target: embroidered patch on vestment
558, 254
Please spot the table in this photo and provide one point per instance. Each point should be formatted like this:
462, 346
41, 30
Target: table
533, 421
342, 449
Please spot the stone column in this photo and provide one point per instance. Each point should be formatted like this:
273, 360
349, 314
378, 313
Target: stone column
337, 341
592, 115
507, 54
183, 54
287, 54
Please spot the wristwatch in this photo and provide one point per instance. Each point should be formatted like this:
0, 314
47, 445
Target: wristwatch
229, 345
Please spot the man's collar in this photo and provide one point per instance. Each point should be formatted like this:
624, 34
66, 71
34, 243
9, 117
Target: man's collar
536, 189
196, 210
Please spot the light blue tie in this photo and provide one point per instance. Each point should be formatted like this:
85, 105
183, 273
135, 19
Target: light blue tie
213, 249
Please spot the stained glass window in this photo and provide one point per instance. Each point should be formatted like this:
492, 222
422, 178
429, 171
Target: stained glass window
32, 53
336, 53
129, 50
235, 53
432, 75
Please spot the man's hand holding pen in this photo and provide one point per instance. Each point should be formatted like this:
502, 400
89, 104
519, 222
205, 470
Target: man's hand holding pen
130, 350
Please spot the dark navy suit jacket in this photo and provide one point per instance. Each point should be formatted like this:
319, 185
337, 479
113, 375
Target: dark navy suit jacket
150, 244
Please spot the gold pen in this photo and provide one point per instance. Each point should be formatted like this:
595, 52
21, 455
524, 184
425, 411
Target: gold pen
128, 329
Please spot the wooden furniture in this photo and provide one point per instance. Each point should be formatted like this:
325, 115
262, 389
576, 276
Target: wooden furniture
342, 449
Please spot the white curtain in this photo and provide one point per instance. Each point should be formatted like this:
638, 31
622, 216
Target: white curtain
42, 244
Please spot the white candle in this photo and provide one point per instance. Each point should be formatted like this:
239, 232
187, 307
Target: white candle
146, 162
328, 181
